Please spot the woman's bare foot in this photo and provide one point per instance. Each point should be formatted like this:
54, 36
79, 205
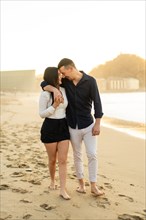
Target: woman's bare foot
53, 186
64, 195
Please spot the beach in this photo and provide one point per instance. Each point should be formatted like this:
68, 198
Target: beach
25, 176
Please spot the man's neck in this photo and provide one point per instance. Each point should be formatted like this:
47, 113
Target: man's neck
77, 78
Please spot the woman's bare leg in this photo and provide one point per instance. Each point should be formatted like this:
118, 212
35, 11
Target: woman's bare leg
62, 160
51, 149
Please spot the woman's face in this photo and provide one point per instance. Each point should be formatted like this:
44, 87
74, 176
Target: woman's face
60, 76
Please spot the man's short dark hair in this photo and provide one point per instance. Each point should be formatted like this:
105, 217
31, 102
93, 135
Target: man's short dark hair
66, 62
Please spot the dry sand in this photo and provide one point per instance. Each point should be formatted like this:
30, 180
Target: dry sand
25, 177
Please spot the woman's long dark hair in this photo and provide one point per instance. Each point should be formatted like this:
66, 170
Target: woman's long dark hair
51, 77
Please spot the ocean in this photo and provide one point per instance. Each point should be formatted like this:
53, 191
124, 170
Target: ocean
129, 107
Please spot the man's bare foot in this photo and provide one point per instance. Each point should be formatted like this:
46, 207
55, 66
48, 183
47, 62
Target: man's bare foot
96, 191
64, 195
81, 189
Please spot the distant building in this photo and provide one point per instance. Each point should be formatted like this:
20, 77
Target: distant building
18, 80
117, 84
101, 82
121, 84
131, 83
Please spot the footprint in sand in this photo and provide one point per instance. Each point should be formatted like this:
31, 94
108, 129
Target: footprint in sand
41, 164
17, 166
47, 206
102, 176
25, 201
28, 170
9, 159
4, 187
4, 216
76, 205
1, 177
20, 190
129, 217
108, 185
27, 216
17, 174
23, 165
17, 145
102, 203
35, 182
71, 176
127, 198
47, 192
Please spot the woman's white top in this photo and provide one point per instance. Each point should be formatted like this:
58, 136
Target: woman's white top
46, 110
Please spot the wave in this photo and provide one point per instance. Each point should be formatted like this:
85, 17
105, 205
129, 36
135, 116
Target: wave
135, 129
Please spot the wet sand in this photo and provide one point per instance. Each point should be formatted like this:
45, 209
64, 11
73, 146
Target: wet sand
25, 177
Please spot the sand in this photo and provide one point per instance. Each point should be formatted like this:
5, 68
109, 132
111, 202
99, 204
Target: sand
25, 176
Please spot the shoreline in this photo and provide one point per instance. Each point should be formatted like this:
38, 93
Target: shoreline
135, 129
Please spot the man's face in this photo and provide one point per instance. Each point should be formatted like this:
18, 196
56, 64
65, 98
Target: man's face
66, 72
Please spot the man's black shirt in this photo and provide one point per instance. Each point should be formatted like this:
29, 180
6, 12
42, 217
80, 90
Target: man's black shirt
80, 98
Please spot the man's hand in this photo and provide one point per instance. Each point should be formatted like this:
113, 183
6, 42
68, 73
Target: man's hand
96, 127
95, 130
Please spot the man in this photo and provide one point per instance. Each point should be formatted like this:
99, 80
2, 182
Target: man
82, 91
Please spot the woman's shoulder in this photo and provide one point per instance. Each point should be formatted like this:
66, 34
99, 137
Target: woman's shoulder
45, 94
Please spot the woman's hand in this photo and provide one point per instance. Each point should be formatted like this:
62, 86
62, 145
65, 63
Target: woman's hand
56, 92
58, 95
57, 101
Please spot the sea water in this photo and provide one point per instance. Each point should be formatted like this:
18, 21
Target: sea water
129, 107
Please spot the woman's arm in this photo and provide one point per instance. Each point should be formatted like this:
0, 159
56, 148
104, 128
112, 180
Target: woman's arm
44, 110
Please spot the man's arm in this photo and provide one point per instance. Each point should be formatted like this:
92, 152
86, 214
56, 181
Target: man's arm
49, 88
97, 107
95, 96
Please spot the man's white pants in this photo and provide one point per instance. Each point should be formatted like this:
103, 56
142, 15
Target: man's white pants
77, 136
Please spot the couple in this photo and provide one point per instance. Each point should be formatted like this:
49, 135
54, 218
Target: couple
66, 104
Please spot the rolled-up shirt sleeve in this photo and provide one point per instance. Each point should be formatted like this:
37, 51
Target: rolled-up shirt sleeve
44, 109
43, 84
96, 99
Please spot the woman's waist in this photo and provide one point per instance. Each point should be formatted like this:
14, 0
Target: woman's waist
54, 118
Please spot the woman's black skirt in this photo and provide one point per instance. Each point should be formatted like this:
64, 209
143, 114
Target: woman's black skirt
54, 130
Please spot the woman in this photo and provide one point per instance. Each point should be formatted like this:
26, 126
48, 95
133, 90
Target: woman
54, 130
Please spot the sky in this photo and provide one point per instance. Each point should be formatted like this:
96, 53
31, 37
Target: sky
38, 34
